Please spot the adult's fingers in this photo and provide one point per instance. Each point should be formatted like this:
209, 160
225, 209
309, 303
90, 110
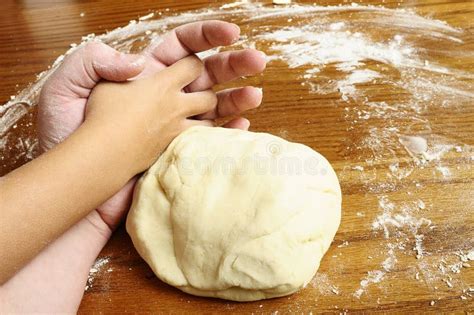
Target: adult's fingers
227, 66
238, 123
104, 62
233, 102
192, 38
84, 68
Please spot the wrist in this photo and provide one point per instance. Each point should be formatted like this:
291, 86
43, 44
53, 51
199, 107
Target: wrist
131, 146
97, 226
61, 269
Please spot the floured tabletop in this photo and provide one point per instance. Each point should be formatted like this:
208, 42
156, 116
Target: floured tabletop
384, 90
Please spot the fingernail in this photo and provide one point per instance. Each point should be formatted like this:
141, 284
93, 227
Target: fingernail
264, 56
237, 36
246, 123
260, 90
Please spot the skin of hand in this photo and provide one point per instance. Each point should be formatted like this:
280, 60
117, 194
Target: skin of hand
127, 125
61, 269
148, 121
62, 102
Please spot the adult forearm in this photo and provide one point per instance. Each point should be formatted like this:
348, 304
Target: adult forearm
60, 270
42, 199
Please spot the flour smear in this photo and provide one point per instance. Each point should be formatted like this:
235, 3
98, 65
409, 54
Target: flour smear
333, 50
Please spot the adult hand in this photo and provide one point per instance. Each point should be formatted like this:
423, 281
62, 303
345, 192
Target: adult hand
64, 96
61, 269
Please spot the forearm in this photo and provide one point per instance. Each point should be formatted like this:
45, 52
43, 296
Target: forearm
45, 197
53, 282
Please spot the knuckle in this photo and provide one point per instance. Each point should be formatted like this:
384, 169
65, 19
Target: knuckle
213, 98
195, 62
93, 47
90, 46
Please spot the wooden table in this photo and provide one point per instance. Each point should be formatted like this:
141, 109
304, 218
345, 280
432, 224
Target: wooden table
34, 33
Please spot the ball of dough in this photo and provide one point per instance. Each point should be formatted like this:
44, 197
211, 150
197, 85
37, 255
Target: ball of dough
235, 215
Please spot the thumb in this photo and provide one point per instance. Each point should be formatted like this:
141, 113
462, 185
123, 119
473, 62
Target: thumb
102, 61
63, 96
83, 69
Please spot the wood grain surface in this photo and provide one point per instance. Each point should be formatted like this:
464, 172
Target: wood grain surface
34, 32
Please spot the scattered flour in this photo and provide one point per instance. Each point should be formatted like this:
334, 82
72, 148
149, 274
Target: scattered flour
316, 45
334, 55
374, 276
233, 4
324, 285
98, 266
347, 86
389, 263
10, 117
281, 1
397, 218
443, 170
415, 145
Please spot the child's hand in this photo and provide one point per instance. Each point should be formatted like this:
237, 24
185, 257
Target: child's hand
61, 268
63, 98
143, 116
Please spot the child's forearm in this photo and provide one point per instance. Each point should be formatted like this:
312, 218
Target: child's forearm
42, 199
127, 125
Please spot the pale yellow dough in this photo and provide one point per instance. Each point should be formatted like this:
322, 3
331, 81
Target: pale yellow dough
228, 213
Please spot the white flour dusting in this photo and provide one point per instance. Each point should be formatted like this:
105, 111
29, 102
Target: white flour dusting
10, 117
389, 263
98, 266
374, 276
320, 44
331, 50
415, 145
324, 285
347, 86
397, 218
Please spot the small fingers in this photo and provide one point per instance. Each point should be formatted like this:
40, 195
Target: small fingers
236, 123
199, 102
183, 71
206, 123
234, 102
